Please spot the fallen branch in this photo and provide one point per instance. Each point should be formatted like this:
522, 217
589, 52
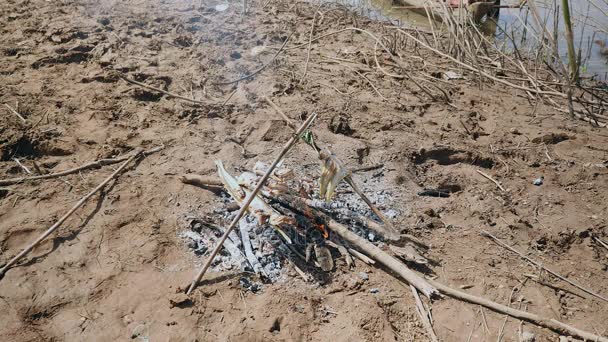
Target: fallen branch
69, 213
250, 198
201, 181
551, 286
143, 85
16, 113
539, 265
91, 165
557, 326
491, 179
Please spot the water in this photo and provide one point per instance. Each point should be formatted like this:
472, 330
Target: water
590, 23
589, 20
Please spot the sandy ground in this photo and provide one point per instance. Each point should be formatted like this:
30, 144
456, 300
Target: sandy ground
112, 270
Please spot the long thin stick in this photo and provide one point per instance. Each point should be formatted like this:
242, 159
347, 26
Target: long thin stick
537, 264
143, 85
250, 198
424, 317
557, 326
312, 30
16, 113
68, 214
600, 242
492, 179
348, 178
91, 165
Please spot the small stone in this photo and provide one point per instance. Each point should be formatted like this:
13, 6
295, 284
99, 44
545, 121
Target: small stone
104, 21
538, 181
221, 7
353, 283
363, 276
528, 336
371, 236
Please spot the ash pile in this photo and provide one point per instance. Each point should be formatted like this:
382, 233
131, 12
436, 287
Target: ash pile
290, 223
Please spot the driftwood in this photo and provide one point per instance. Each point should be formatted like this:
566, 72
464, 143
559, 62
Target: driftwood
250, 198
538, 264
91, 165
80, 203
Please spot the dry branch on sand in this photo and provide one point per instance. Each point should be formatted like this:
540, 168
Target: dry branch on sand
539, 265
91, 165
79, 204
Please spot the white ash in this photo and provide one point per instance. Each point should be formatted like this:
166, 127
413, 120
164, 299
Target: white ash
201, 236
268, 251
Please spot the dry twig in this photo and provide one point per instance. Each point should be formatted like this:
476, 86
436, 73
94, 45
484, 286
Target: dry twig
424, 317
539, 265
549, 323
143, 85
69, 213
491, 179
16, 113
91, 165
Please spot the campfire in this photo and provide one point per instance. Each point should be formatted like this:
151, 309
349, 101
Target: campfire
296, 219
287, 223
